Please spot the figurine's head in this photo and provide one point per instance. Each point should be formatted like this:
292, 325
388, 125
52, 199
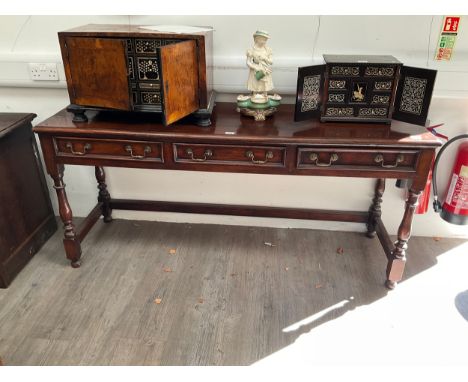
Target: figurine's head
260, 38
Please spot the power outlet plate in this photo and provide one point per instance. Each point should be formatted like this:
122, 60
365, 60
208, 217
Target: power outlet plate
43, 72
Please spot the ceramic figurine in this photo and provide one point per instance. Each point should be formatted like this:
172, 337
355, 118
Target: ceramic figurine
260, 81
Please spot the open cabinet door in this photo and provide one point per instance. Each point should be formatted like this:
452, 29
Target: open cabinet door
179, 80
414, 95
97, 68
309, 94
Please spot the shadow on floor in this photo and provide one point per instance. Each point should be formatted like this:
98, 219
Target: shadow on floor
151, 293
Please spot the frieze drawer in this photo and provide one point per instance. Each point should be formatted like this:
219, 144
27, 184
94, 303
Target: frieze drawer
115, 149
227, 154
397, 160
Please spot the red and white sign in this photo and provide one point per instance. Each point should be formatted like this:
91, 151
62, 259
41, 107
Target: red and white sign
451, 24
447, 38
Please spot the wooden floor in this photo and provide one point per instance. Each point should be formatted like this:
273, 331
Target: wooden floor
225, 296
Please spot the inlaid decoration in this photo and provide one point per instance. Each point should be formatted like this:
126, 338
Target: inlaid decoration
412, 97
148, 69
339, 112
383, 85
372, 112
381, 99
380, 71
359, 92
151, 46
345, 71
150, 98
131, 68
310, 93
337, 84
129, 45
337, 98
147, 46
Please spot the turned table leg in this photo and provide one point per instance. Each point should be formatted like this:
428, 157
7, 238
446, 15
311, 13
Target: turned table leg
375, 210
104, 195
71, 241
396, 265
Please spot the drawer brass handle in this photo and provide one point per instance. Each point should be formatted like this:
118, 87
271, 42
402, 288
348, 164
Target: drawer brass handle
380, 159
251, 156
86, 148
314, 158
146, 150
207, 154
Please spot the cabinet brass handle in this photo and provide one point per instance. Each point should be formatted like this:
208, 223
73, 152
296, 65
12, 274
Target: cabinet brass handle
146, 150
207, 154
251, 156
314, 158
380, 159
86, 148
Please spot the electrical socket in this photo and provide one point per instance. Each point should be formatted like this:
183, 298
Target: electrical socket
43, 71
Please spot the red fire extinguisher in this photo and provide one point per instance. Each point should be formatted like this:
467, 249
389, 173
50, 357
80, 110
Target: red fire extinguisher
455, 207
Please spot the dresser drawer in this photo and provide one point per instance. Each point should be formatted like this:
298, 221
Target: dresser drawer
227, 154
115, 149
386, 159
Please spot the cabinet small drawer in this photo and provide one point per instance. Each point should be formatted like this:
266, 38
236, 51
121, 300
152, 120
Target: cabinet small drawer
115, 149
404, 160
227, 154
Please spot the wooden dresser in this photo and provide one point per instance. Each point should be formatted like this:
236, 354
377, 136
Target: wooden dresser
238, 144
26, 216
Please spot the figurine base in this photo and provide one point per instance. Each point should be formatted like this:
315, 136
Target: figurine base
252, 107
258, 114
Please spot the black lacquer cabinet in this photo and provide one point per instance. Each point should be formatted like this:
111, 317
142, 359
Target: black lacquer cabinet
364, 89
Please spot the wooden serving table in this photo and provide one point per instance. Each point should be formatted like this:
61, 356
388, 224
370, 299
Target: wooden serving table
238, 144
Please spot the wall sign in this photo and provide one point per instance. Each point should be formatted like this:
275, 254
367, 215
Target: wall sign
447, 38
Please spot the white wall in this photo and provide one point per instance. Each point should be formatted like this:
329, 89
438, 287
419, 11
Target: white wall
296, 40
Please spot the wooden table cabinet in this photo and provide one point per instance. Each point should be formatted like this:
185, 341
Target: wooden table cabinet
238, 144
26, 216
130, 67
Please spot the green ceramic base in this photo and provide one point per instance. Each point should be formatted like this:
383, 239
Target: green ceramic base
248, 104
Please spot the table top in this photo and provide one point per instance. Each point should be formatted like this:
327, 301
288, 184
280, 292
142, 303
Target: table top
229, 126
10, 121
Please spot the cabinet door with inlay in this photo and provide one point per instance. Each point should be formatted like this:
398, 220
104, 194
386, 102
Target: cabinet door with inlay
310, 80
414, 94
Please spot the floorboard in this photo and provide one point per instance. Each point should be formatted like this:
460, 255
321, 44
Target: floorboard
226, 297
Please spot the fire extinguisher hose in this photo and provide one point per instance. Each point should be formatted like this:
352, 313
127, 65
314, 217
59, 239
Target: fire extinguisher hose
437, 205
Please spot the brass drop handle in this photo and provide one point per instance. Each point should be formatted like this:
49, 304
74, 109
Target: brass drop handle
380, 159
207, 154
251, 156
146, 151
86, 148
314, 158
